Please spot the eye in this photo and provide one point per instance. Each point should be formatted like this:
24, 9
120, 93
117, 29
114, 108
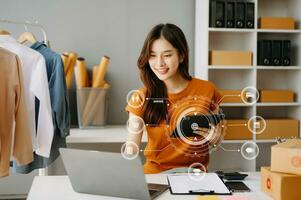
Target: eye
167, 55
152, 55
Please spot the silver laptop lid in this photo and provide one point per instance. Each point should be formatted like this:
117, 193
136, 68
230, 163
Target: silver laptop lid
105, 173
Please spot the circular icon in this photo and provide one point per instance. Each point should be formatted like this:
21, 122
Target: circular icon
296, 161
129, 150
249, 95
194, 126
197, 171
184, 122
249, 150
135, 124
256, 125
135, 98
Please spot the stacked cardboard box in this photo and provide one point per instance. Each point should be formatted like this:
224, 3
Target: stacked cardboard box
276, 96
282, 180
230, 58
277, 23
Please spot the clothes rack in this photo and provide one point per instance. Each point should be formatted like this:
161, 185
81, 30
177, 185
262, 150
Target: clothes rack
42, 171
28, 23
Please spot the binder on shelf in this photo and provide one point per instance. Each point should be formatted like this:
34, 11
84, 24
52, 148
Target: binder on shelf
230, 14
217, 14
250, 15
264, 52
240, 12
276, 52
286, 52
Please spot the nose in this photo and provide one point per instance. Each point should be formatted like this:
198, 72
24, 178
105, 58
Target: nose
160, 61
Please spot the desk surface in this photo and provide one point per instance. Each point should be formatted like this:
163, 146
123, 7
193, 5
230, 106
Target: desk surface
107, 134
59, 187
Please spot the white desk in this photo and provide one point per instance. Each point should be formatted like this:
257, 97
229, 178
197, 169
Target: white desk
108, 134
59, 187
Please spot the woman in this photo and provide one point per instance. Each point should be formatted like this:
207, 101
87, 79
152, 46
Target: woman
163, 65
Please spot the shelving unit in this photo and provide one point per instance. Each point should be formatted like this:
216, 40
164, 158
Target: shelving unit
239, 77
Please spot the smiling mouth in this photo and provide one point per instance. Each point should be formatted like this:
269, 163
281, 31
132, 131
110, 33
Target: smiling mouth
162, 71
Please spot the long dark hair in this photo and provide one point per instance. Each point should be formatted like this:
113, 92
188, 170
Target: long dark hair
154, 113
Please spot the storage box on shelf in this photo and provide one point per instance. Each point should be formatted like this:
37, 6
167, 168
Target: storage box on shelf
279, 128
276, 96
276, 23
237, 129
233, 58
231, 96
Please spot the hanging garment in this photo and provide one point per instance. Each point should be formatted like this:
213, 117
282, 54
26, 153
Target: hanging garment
59, 105
35, 85
15, 134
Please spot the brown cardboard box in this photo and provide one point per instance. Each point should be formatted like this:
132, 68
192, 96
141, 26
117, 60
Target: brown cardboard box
231, 58
237, 129
286, 157
276, 23
280, 186
231, 96
280, 128
276, 96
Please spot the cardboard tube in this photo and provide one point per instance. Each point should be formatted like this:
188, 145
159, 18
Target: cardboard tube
64, 57
71, 61
82, 72
103, 66
94, 73
70, 68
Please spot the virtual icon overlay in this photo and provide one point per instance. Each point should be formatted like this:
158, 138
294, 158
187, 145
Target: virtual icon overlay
195, 125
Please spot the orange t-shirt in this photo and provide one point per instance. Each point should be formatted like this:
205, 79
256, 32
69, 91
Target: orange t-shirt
163, 152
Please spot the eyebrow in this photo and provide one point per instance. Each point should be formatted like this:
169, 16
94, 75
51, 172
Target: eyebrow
167, 51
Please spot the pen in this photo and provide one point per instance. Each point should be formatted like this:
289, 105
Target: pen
201, 191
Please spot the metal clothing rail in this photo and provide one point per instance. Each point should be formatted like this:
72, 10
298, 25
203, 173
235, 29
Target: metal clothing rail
28, 23
42, 171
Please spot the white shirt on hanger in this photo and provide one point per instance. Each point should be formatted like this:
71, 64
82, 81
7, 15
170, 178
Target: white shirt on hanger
35, 85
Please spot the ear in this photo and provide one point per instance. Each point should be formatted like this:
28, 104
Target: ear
181, 58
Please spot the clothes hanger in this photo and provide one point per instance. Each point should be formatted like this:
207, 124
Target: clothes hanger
27, 37
4, 32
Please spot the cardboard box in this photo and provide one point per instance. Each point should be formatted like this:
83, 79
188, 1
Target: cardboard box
276, 96
280, 186
231, 58
280, 128
276, 23
286, 157
231, 96
237, 129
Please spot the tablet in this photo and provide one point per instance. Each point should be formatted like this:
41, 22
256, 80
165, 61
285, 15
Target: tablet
189, 124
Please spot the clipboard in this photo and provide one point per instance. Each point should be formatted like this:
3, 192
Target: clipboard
208, 184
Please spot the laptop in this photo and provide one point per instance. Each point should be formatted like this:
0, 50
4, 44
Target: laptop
109, 174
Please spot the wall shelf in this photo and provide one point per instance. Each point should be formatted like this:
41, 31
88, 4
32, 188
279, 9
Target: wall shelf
277, 31
260, 77
230, 67
234, 30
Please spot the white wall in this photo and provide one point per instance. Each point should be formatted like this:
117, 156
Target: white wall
94, 28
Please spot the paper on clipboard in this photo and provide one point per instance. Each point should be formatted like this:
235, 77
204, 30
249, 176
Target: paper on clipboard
183, 183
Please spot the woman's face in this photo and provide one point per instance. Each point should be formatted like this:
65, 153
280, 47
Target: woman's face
164, 59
